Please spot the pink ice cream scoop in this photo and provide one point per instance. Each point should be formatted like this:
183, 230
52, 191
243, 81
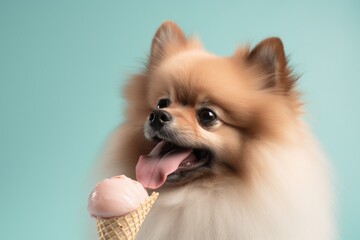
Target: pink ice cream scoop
115, 197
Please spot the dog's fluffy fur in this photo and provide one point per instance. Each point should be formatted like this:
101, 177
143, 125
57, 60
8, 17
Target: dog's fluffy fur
267, 178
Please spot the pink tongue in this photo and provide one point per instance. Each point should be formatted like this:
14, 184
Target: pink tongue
152, 170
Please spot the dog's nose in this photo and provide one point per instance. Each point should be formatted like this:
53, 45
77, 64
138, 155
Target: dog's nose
158, 118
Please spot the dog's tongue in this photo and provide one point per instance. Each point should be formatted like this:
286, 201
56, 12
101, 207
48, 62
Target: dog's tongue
152, 169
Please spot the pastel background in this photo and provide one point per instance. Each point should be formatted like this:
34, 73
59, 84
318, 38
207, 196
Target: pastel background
62, 65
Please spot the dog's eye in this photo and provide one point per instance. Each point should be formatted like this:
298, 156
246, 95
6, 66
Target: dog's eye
206, 117
163, 103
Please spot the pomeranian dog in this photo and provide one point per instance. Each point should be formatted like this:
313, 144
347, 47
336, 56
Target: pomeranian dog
222, 140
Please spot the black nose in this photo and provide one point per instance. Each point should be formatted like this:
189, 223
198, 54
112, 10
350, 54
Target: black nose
158, 118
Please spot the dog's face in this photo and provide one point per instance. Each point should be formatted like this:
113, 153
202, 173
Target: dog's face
206, 110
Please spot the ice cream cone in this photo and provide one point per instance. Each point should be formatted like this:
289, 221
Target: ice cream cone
125, 227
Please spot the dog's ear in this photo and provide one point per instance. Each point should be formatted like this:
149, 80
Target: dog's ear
167, 39
270, 57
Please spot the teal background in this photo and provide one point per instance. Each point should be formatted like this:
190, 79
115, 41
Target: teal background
62, 64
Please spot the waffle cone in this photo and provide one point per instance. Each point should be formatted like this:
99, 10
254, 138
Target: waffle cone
125, 227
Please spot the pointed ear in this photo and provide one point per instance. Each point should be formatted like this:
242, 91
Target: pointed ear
167, 38
269, 56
